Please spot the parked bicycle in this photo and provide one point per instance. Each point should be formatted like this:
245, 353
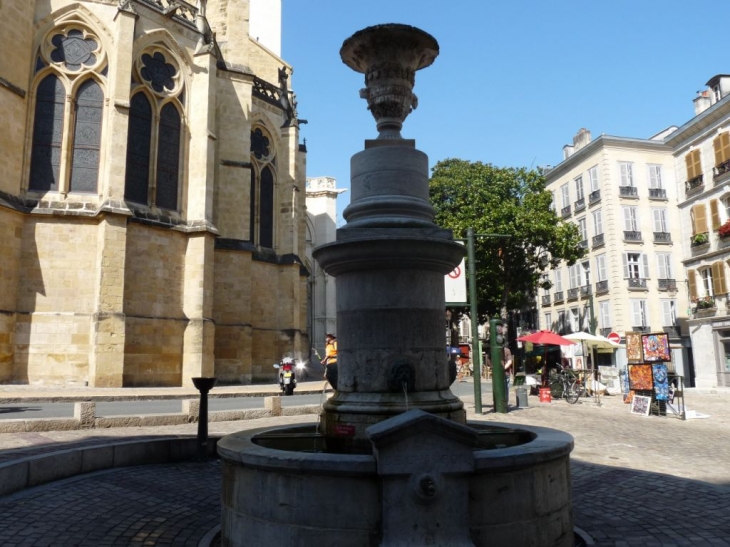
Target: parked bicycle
564, 384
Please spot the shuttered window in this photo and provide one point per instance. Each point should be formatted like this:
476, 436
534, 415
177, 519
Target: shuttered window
636, 266
692, 282
721, 145
718, 278
699, 219
694, 167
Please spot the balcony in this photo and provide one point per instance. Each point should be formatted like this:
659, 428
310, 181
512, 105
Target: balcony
545, 299
662, 238
642, 328
658, 194
558, 297
694, 184
628, 191
667, 284
605, 331
602, 287
673, 331
585, 290
699, 240
594, 197
598, 241
565, 212
583, 244
720, 169
573, 294
632, 236
637, 284
580, 205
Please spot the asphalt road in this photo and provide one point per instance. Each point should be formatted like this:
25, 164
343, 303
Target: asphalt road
17, 411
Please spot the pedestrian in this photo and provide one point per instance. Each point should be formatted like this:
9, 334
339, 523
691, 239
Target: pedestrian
507, 361
330, 359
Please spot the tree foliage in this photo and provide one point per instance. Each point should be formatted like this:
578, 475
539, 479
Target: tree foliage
509, 201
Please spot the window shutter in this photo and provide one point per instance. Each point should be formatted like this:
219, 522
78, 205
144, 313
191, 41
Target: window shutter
694, 168
715, 214
661, 267
721, 145
626, 267
700, 219
636, 313
644, 266
692, 281
717, 147
718, 278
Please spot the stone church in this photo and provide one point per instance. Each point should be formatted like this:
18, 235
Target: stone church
152, 193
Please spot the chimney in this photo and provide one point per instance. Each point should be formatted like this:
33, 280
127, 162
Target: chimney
568, 151
703, 101
582, 138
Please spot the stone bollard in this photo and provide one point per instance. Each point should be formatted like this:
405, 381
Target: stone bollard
273, 405
191, 407
85, 413
203, 385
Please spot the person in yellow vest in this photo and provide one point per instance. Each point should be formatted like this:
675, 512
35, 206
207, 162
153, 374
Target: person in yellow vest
330, 359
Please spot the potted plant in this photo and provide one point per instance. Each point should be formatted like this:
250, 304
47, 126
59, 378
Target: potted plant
724, 230
700, 239
705, 303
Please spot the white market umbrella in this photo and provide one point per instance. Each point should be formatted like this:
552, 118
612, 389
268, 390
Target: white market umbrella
592, 341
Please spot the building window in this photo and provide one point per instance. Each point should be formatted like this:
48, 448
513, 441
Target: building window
636, 266
601, 267
721, 146
664, 265
565, 193
604, 312
626, 170
69, 98
585, 270
655, 176
582, 229
574, 320
694, 164
574, 276
559, 280
155, 132
597, 222
261, 206
631, 218
561, 322
639, 313
579, 188
659, 216
593, 177
669, 312
548, 321
699, 219
706, 288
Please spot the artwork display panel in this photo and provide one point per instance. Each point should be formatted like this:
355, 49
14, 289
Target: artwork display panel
634, 352
640, 377
656, 348
661, 382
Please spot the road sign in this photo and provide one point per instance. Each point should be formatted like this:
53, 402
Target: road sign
455, 285
614, 337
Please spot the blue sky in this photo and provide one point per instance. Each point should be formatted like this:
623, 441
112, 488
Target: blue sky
515, 79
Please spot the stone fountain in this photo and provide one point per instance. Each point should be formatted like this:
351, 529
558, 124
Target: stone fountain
393, 461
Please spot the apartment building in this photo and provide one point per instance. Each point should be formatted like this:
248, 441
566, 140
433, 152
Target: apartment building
701, 150
622, 194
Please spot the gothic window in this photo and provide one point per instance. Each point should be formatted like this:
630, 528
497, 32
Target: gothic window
155, 135
262, 195
68, 112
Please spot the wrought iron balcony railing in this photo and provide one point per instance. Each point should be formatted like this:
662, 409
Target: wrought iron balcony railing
720, 169
583, 243
632, 235
565, 212
598, 240
580, 205
545, 299
637, 284
572, 293
605, 331
673, 331
662, 237
585, 290
657, 193
558, 296
667, 284
628, 191
602, 286
693, 184
594, 197
641, 328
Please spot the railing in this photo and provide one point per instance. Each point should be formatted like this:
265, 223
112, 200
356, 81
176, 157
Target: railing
673, 331
558, 296
642, 328
585, 290
572, 293
628, 191
177, 9
583, 244
594, 197
636, 283
667, 284
598, 240
605, 331
632, 235
267, 92
545, 299
693, 184
565, 212
662, 237
580, 205
657, 193
602, 286
720, 169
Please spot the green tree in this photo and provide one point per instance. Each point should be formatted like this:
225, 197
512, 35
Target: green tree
510, 201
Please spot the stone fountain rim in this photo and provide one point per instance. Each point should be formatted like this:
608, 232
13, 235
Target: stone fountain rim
239, 448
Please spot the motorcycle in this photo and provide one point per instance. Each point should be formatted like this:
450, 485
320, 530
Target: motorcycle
287, 374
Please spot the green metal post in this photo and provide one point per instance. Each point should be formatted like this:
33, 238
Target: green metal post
475, 353
498, 388
592, 316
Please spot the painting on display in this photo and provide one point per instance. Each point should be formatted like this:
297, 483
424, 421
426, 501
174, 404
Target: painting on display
633, 347
640, 377
640, 405
656, 348
661, 382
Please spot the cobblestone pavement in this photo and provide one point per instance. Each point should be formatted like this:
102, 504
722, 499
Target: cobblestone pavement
637, 481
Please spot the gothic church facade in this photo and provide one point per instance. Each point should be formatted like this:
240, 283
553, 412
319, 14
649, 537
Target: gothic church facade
152, 191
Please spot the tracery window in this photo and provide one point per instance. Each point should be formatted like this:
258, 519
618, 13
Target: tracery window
263, 177
68, 112
154, 139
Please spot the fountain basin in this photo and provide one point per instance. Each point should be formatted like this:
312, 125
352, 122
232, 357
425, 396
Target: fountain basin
278, 491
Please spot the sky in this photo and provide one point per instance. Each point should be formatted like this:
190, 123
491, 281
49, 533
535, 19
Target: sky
515, 79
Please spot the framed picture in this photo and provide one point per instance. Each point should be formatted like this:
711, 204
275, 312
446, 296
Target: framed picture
633, 347
640, 377
640, 405
656, 348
